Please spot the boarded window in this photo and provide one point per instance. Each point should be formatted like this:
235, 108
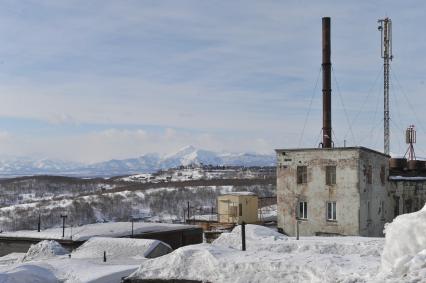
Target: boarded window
330, 175
303, 210
382, 210
368, 211
331, 211
369, 174
383, 174
302, 174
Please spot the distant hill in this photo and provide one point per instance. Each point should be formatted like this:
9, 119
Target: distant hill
145, 163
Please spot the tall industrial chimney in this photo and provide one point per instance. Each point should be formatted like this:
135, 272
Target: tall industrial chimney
326, 85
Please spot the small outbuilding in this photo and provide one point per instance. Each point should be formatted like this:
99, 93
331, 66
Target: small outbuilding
236, 207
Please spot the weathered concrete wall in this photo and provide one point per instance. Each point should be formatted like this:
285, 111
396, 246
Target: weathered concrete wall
345, 192
409, 194
376, 198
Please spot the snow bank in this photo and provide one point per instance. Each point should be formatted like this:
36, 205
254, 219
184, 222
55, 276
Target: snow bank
28, 273
270, 257
11, 258
254, 234
260, 238
44, 250
404, 253
121, 248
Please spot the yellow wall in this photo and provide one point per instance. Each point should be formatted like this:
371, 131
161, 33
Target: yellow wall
229, 207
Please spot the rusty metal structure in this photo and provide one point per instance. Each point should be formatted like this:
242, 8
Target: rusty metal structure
385, 28
410, 139
327, 141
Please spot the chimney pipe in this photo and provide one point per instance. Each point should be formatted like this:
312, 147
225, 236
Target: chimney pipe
326, 84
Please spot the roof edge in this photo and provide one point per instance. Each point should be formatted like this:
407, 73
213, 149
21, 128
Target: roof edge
333, 148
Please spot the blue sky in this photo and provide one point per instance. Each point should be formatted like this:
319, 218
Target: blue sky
93, 80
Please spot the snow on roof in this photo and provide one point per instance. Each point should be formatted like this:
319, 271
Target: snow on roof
110, 229
405, 178
43, 250
120, 248
239, 194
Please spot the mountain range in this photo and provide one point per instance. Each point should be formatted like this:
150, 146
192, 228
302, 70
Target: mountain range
146, 163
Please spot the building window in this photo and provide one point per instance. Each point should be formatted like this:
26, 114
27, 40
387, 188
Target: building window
240, 209
302, 174
382, 210
331, 211
303, 210
330, 175
368, 211
383, 174
369, 174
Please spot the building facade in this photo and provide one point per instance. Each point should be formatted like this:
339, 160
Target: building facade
334, 191
236, 207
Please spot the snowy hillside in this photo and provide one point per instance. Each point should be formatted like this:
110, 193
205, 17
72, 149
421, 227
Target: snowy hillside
146, 163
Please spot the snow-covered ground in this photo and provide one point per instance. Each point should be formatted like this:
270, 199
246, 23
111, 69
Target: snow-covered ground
270, 257
273, 257
45, 262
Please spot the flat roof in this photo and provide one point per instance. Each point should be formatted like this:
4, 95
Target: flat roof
333, 148
109, 229
239, 194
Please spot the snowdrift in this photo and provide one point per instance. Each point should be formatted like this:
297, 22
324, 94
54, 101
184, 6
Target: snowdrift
28, 273
44, 250
255, 235
404, 253
121, 248
260, 238
270, 257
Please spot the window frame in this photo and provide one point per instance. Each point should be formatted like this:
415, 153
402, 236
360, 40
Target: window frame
333, 212
330, 175
369, 174
302, 174
302, 210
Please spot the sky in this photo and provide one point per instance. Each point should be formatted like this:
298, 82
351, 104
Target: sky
89, 81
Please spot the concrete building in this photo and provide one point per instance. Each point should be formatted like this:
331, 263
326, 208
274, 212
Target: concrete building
237, 207
342, 191
409, 192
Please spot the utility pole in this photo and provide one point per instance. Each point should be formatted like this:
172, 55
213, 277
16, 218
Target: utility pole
243, 236
63, 224
385, 28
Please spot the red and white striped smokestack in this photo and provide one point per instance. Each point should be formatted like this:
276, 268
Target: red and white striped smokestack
326, 84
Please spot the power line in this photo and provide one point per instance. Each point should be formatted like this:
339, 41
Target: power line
408, 101
343, 104
399, 129
369, 92
309, 109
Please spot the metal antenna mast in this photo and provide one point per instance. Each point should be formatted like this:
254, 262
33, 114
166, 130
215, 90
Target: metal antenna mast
385, 28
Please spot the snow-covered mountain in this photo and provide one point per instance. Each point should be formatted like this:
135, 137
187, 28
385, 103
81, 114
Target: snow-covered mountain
145, 163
